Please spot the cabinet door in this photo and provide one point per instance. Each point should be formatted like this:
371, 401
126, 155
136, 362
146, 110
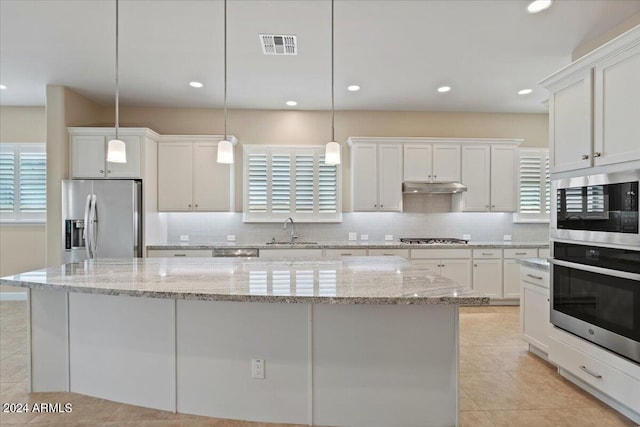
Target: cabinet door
487, 277
211, 180
431, 264
131, 169
291, 253
570, 124
446, 163
390, 177
534, 317
476, 164
511, 278
88, 157
364, 170
175, 175
417, 162
458, 270
504, 180
617, 103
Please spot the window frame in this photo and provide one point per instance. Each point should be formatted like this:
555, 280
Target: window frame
292, 150
17, 217
540, 217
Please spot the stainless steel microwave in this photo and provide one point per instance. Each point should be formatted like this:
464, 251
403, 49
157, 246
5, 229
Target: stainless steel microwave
597, 208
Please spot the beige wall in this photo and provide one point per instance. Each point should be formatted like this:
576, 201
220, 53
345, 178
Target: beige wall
314, 128
22, 247
605, 37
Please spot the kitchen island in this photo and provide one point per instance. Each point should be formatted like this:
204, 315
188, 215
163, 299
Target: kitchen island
354, 341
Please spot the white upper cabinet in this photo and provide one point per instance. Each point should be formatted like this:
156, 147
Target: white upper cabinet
89, 152
190, 178
617, 108
364, 173
390, 177
489, 172
418, 162
446, 163
600, 91
432, 162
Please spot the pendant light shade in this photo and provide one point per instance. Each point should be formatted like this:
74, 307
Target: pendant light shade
332, 150
225, 152
225, 147
116, 148
116, 151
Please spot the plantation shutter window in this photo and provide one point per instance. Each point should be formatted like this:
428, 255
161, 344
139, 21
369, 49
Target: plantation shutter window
23, 182
283, 181
534, 185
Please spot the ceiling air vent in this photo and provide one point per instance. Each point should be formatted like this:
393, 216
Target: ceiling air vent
273, 44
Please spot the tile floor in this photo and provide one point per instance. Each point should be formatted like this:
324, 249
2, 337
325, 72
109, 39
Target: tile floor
501, 384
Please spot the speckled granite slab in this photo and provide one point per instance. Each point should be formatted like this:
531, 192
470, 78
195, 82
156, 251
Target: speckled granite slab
356, 280
537, 263
353, 245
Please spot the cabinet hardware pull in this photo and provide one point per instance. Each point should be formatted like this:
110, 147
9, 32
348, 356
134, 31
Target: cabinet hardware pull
547, 299
196, 205
179, 254
521, 253
475, 265
535, 277
346, 254
597, 154
189, 204
101, 170
590, 372
382, 206
484, 253
108, 170
375, 206
493, 206
585, 156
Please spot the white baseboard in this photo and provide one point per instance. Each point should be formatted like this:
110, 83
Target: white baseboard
13, 296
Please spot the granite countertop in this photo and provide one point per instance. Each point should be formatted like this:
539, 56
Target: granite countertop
353, 245
537, 263
356, 280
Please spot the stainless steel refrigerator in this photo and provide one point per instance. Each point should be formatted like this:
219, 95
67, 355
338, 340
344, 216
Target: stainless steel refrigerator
101, 219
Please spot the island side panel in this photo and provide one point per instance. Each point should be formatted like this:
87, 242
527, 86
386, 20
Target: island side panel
123, 349
216, 343
385, 365
48, 343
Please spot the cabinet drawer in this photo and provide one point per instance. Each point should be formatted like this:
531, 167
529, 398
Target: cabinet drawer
345, 252
521, 253
534, 276
617, 384
164, 253
396, 252
439, 253
487, 253
291, 253
544, 253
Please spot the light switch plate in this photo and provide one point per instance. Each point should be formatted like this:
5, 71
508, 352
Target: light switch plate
257, 369
184, 237
364, 237
466, 237
388, 237
231, 237
353, 236
507, 237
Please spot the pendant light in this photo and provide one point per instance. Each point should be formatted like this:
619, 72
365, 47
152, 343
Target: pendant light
225, 148
116, 148
332, 150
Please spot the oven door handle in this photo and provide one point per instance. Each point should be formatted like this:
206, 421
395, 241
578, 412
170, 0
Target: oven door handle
599, 270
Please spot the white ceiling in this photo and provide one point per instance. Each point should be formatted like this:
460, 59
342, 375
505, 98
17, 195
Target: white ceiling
398, 51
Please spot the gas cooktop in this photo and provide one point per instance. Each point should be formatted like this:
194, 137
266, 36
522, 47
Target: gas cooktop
433, 241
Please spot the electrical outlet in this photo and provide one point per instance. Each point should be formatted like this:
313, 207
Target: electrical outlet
388, 237
364, 237
507, 237
466, 237
257, 369
353, 236
231, 237
184, 237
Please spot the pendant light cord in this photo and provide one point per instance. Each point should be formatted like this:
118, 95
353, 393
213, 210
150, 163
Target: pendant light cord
225, 70
117, 81
333, 113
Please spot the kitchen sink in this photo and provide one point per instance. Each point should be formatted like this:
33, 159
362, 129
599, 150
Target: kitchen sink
292, 244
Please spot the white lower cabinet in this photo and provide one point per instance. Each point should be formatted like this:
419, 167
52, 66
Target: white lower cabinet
345, 252
534, 308
458, 270
487, 277
511, 270
290, 253
164, 253
404, 253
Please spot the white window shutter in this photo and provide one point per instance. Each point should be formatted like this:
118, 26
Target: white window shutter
327, 187
530, 183
305, 181
23, 182
33, 180
257, 181
281, 183
7, 179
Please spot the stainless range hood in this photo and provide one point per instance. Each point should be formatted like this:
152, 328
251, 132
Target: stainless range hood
432, 187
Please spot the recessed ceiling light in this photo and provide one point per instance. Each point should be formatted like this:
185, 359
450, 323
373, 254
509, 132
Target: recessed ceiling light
195, 84
2, 87
525, 91
538, 5
291, 103
353, 88
443, 89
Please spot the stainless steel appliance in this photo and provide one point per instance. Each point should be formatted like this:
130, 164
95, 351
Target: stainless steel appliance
101, 219
433, 241
595, 294
597, 208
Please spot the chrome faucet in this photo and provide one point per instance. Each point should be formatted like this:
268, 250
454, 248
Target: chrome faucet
293, 229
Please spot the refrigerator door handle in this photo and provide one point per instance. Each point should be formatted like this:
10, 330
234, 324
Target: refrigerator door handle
85, 233
94, 225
